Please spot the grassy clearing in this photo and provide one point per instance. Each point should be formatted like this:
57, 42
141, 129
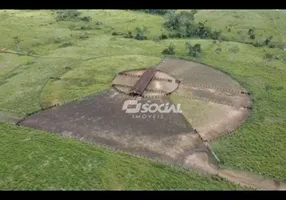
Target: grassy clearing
34, 160
259, 145
265, 22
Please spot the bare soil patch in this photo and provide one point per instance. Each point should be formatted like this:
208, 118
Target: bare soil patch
100, 119
213, 105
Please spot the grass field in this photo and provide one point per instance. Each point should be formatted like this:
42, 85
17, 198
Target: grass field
34, 160
79, 62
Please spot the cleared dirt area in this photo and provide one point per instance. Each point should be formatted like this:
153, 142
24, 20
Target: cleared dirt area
212, 105
161, 84
100, 119
191, 73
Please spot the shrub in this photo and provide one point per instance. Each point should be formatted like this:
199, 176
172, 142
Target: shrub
66, 44
268, 40
258, 44
86, 18
67, 15
117, 33
163, 36
86, 27
252, 36
170, 50
193, 50
128, 35
140, 33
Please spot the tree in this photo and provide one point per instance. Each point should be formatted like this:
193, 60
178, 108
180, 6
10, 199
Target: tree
140, 33
268, 57
169, 50
189, 48
17, 41
193, 50
234, 50
197, 50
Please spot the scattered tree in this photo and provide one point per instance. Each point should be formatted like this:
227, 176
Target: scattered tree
193, 50
163, 36
170, 50
189, 48
197, 50
140, 33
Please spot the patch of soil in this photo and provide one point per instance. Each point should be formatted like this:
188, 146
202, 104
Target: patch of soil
100, 119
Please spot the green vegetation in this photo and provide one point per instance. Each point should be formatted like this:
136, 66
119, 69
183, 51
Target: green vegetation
82, 51
34, 160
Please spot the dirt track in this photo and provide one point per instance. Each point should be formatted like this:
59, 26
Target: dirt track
200, 161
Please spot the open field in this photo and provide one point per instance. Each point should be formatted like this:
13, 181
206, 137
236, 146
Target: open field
68, 66
34, 160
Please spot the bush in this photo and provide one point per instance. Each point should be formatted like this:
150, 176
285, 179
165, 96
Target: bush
252, 36
258, 44
163, 36
66, 44
215, 35
170, 50
268, 40
117, 33
66, 15
86, 27
193, 50
140, 33
128, 35
86, 18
